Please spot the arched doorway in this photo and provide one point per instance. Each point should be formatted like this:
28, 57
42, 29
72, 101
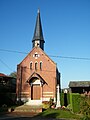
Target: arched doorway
35, 92
36, 89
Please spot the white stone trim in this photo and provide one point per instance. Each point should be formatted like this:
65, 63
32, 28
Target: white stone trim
24, 92
46, 99
47, 92
47, 95
34, 102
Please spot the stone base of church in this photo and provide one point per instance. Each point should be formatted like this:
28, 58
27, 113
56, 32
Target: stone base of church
28, 101
34, 102
48, 99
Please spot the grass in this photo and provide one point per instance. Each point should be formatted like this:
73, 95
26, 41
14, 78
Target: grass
61, 113
56, 113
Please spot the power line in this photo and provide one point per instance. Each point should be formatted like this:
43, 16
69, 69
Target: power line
56, 56
65, 57
13, 51
81, 58
5, 65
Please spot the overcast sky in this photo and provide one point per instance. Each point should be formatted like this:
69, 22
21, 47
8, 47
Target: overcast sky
66, 29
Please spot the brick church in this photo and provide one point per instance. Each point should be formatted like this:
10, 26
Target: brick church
37, 74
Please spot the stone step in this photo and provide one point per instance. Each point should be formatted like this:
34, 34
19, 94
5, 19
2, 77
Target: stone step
28, 108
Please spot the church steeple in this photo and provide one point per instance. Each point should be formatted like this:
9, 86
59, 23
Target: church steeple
38, 40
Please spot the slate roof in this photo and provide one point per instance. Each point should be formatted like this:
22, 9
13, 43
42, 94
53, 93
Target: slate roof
38, 34
79, 84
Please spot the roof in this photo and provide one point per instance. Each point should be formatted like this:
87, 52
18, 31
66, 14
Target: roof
38, 34
2, 75
43, 53
79, 84
5, 76
37, 76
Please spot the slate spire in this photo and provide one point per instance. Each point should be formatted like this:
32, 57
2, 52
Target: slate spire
38, 40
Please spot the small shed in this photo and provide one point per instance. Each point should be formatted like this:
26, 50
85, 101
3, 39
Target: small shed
82, 87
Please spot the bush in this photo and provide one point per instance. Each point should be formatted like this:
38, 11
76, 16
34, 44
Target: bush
4, 108
62, 98
85, 118
48, 104
85, 105
68, 98
75, 102
69, 107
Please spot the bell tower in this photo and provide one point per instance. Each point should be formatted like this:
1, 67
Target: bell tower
38, 40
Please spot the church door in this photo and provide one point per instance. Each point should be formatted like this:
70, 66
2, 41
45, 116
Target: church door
35, 92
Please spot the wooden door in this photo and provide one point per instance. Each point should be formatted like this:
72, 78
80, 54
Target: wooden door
36, 92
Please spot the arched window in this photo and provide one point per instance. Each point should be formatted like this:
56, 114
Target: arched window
40, 65
31, 65
36, 65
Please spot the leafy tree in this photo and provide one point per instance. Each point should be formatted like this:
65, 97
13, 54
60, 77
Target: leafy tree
13, 74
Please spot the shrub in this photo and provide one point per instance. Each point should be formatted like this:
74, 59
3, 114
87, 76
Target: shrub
62, 98
85, 118
85, 105
48, 104
75, 102
69, 107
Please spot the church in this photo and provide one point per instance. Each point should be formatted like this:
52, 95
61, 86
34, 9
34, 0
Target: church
37, 74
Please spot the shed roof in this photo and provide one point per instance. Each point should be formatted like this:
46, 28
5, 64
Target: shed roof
79, 84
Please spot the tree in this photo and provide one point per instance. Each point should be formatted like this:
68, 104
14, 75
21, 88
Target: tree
13, 74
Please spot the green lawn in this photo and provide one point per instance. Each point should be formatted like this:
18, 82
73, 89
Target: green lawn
53, 113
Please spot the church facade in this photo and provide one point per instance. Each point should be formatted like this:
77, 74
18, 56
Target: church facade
37, 74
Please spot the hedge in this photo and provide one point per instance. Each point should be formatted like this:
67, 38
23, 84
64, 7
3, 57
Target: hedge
62, 98
75, 102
